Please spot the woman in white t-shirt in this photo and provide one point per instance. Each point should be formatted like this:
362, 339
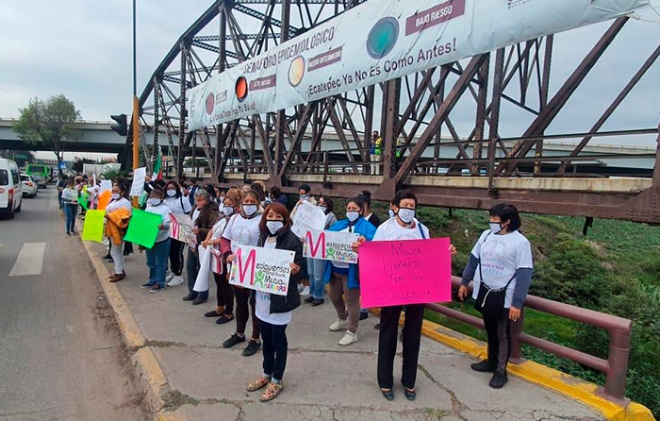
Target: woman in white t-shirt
275, 311
118, 212
178, 204
500, 262
243, 230
402, 227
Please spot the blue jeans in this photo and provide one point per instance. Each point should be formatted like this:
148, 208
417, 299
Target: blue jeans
316, 271
157, 262
70, 211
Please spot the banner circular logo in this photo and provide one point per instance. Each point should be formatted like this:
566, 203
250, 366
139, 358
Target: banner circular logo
241, 88
297, 71
383, 37
210, 103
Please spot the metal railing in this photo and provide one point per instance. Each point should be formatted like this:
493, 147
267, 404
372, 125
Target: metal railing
615, 367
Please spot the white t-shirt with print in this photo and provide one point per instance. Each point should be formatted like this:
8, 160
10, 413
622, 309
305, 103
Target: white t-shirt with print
501, 255
390, 230
262, 302
242, 232
218, 228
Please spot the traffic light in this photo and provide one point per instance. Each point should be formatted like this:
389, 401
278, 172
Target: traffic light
122, 124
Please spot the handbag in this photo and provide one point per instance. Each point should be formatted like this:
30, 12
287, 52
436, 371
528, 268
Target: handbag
490, 301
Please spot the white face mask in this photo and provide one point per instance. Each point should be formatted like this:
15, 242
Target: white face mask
228, 210
352, 215
154, 201
115, 196
495, 227
391, 213
274, 226
171, 193
250, 209
222, 199
406, 215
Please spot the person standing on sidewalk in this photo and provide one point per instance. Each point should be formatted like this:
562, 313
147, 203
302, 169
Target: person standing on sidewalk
70, 203
158, 254
275, 312
243, 230
501, 266
343, 278
178, 205
375, 221
316, 267
375, 153
118, 213
402, 227
205, 215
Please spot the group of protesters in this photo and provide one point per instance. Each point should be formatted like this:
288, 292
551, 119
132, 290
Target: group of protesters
500, 265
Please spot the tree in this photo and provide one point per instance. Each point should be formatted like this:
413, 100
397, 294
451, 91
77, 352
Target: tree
48, 125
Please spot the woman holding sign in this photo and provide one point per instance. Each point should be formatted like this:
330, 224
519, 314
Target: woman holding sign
158, 254
243, 230
118, 213
316, 267
275, 311
344, 284
402, 227
178, 205
501, 267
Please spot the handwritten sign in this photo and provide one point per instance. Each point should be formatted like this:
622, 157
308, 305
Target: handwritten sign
328, 245
139, 176
143, 228
308, 218
93, 228
181, 227
394, 273
262, 270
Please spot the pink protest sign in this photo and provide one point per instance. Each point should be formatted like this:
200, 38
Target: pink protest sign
394, 273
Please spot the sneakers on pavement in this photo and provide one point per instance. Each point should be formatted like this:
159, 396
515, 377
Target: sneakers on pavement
483, 367
304, 291
364, 315
252, 348
176, 280
349, 338
169, 277
147, 285
499, 379
156, 288
235, 339
309, 300
339, 325
317, 302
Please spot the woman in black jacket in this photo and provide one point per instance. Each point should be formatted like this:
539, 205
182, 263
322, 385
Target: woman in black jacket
275, 311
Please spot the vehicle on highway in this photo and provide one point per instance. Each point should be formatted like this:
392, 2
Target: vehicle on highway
11, 189
30, 187
40, 172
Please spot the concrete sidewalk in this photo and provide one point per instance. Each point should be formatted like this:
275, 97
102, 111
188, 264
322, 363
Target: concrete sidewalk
323, 381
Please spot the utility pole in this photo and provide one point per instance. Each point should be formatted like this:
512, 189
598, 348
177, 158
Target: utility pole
136, 104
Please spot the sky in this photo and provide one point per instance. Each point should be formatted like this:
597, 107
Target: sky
82, 48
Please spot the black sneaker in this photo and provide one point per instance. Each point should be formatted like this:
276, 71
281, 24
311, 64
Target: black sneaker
107, 257
199, 300
190, 297
318, 302
483, 367
499, 379
146, 286
156, 288
364, 315
224, 319
235, 339
309, 300
377, 326
252, 348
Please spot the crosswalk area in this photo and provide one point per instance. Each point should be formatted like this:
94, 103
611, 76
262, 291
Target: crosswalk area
29, 261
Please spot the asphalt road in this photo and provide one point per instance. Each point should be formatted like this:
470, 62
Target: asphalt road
61, 357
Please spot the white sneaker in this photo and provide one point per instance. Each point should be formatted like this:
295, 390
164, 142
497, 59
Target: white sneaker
305, 291
169, 277
349, 338
175, 281
339, 325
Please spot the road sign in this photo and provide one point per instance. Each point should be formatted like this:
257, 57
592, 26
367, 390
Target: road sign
21, 156
63, 165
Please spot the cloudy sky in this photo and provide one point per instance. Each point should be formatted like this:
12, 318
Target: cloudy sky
82, 48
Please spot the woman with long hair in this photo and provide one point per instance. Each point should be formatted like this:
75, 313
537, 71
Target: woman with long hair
70, 204
178, 205
316, 267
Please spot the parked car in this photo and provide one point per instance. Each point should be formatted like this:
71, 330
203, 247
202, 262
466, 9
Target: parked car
11, 190
30, 187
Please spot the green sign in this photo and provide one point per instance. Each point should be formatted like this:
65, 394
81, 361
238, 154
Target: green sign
143, 228
21, 156
93, 228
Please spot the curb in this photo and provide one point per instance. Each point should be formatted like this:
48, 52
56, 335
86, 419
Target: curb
546, 377
144, 361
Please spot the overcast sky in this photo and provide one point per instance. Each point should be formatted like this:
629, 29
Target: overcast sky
82, 48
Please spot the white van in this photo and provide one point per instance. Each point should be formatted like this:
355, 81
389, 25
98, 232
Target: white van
11, 190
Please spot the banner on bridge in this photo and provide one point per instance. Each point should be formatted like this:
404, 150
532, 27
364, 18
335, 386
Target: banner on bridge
380, 40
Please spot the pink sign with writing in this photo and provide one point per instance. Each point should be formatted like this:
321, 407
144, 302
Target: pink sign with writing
394, 273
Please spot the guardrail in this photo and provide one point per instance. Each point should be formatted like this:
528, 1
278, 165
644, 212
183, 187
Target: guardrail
615, 367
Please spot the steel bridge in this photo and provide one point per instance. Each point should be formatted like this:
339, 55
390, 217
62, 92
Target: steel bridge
417, 114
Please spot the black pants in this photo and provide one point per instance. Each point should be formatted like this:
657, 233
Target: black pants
245, 304
498, 331
176, 257
192, 268
275, 347
387, 341
224, 293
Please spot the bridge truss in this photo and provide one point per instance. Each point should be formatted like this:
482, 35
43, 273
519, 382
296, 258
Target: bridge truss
445, 160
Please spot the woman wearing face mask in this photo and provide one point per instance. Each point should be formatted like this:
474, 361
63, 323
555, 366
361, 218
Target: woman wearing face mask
316, 267
274, 311
402, 227
178, 205
158, 254
243, 230
344, 283
500, 262
118, 213
70, 203
204, 215
225, 295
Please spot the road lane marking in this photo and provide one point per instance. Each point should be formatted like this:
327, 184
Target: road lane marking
30, 260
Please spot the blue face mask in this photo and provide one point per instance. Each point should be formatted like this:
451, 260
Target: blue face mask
154, 201
304, 197
352, 215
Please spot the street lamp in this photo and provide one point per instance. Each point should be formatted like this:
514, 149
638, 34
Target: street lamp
136, 103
